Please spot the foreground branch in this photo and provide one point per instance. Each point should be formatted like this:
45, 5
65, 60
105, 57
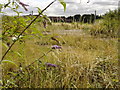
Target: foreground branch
25, 30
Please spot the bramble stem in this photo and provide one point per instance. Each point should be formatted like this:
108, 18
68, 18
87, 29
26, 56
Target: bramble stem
25, 30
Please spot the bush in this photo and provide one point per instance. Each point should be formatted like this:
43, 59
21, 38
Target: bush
108, 27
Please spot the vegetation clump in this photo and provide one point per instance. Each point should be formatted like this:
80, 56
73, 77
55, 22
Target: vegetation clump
86, 59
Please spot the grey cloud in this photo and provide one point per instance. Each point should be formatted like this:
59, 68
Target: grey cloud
106, 3
56, 9
72, 10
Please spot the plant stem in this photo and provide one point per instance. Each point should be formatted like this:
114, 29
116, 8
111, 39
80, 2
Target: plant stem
39, 58
25, 30
34, 62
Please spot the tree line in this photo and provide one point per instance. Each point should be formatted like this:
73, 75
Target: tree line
85, 18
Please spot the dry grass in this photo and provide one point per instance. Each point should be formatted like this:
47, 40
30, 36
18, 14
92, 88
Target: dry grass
84, 62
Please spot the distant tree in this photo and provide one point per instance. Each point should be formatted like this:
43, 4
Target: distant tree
77, 18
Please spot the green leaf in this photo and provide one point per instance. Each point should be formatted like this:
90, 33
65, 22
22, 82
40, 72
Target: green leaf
13, 2
0, 37
46, 18
39, 10
1, 6
1, 82
14, 74
8, 61
17, 6
2, 12
5, 45
18, 54
63, 3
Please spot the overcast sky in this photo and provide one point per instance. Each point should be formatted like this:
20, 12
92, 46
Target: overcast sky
73, 7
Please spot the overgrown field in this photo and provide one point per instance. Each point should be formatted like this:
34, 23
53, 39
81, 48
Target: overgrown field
86, 58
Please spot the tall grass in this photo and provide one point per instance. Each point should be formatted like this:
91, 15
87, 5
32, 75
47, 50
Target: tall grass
85, 61
108, 27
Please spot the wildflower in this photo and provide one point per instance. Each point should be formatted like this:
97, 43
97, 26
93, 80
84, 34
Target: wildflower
56, 47
14, 38
50, 65
23, 5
